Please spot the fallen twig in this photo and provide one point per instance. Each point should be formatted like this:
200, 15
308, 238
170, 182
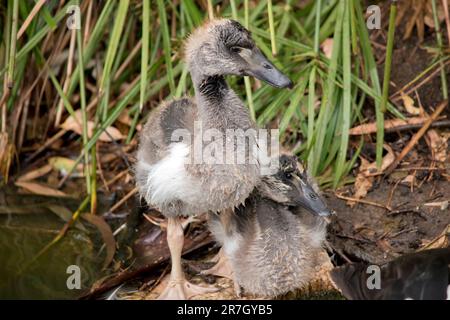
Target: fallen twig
391, 194
422, 169
443, 205
30, 18
124, 199
117, 177
396, 125
435, 124
416, 137
46, 144
408, 210
402, 231
340, 196
441, 241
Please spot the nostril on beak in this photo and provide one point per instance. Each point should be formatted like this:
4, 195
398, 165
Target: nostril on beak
267, 66
290, 85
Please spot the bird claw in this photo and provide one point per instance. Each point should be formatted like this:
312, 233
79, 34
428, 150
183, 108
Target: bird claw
183, 290
188, 221
160, 222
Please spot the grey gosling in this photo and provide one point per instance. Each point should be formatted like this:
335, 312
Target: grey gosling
168, 174
273, 241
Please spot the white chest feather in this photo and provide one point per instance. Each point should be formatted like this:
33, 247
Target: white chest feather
168, 180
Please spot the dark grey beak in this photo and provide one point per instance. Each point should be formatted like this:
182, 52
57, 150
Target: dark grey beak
311, 200
261, 68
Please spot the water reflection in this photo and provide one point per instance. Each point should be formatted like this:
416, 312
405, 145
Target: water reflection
23, 235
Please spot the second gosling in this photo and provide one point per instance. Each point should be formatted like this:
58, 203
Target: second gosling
273, 241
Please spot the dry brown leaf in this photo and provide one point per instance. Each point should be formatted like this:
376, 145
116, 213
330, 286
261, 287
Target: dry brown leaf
3, 144
388, 159
367, 170
40, 189
363, 183
362, 186
75, 125
385, 245
428, 18
438, 145
108, 157
327, 47
125, 118
34, 174
441, 241
409, 180
6, 155
408, 103
107, 235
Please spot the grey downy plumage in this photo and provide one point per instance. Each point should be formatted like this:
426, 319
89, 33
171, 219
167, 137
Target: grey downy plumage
273, 241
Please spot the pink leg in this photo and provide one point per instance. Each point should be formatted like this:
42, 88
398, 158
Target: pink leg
178, 287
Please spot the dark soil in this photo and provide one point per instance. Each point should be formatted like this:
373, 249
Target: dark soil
410, 57
372, 233
376, 235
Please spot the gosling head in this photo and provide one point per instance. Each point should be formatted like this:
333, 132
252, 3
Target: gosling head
290, 186
225, 47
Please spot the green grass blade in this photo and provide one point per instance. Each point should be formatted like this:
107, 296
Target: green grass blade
166, 44
439, 42
346, 97
113, 43
247, 82
83, 108
271, 26
144, 51
299, 92
13, 43
329, 99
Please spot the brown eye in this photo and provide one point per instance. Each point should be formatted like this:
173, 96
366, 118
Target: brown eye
235, 49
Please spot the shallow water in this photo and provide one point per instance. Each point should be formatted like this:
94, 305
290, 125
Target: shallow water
23, 235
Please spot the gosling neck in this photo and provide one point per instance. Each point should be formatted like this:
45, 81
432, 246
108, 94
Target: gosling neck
209, 89
218, 105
